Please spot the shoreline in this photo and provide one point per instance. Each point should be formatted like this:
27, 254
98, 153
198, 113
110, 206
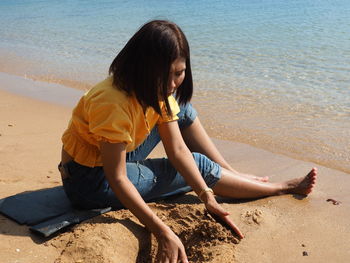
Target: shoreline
52, 89
275, 228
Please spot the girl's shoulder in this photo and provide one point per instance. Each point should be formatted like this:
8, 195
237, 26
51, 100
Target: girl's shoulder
106, 93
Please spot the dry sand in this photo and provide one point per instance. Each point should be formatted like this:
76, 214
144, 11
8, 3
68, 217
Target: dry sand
277, 229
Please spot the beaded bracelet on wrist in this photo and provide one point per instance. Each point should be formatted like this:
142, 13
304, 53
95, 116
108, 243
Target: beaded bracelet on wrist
205, 190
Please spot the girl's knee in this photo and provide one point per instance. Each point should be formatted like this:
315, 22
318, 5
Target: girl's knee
187, 115
210, 171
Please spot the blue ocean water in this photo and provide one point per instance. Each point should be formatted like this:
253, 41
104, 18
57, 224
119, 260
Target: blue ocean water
279, 70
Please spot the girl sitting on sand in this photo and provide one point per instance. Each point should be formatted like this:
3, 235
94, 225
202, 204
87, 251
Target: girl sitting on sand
119, 121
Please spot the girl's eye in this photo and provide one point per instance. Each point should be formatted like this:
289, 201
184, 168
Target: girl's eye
179, 73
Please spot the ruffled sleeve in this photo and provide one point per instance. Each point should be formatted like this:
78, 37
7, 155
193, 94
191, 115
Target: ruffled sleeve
109, 122
175, 109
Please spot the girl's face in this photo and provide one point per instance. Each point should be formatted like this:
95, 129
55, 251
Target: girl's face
176, 75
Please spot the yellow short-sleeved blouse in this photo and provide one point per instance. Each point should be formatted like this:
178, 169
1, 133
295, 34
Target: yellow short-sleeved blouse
109, 114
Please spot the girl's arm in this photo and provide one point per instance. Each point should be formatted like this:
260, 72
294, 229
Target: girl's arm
114, 164
182, 159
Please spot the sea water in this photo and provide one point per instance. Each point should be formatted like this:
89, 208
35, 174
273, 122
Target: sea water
274, 74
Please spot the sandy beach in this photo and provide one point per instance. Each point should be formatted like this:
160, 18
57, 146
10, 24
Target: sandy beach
277, 229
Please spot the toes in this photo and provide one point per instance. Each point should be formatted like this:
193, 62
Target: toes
262, 179
314, 171
312, 174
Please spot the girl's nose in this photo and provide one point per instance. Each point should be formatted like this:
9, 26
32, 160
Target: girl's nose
172, 85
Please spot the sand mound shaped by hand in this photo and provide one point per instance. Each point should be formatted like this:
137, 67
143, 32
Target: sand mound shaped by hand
119, 237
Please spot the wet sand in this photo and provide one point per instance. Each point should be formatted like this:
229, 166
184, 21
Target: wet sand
286, 228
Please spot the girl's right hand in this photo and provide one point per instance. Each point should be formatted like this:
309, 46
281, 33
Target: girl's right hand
170, 249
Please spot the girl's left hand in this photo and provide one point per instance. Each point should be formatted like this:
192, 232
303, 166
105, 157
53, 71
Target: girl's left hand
220, 214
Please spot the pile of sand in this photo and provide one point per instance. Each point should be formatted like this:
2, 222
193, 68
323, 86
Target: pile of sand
100, 239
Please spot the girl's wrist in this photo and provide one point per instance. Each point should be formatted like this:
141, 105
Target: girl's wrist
160, 229
208, 197
162, 233
206, 194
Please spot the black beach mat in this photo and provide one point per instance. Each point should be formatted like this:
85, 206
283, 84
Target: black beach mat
45, 211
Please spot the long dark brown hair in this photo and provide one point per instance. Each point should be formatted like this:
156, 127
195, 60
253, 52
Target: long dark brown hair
142, 67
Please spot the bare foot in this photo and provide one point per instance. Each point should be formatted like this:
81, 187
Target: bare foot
302, 185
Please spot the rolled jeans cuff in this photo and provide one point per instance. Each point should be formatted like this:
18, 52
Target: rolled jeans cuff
214, 175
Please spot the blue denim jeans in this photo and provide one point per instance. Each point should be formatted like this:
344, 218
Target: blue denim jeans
155, 179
